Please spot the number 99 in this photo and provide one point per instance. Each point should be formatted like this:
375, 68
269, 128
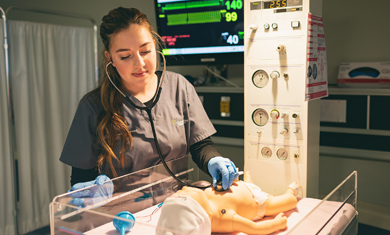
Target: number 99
231, 16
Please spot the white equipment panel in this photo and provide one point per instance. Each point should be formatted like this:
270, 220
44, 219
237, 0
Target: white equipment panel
281, 128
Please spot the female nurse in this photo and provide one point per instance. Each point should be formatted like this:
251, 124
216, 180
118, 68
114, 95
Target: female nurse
109, 137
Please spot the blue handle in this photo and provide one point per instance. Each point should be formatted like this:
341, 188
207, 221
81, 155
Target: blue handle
124, 226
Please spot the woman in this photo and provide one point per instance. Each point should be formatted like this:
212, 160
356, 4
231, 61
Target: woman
109, 137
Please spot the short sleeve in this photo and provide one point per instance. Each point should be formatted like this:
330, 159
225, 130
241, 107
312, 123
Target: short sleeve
200, 124
81, 148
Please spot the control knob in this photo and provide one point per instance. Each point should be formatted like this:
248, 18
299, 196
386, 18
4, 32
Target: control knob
284, 132
281, 48
275, 113
274, 74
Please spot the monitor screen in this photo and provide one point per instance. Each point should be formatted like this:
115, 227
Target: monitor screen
201, 31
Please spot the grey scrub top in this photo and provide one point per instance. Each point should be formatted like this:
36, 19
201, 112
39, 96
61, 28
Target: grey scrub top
179, 118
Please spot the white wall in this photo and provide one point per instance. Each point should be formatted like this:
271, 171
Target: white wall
355, 31
358, 31
95, 9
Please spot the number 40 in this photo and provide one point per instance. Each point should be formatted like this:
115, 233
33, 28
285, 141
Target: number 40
232, 39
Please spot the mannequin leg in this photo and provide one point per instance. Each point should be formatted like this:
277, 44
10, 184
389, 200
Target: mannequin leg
281, 203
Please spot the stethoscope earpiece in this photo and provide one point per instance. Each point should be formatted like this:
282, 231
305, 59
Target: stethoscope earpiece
124, 226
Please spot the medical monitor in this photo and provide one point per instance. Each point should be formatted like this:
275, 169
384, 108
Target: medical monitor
201, 31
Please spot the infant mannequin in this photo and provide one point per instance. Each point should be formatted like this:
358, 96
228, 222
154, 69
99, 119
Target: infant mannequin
194, 211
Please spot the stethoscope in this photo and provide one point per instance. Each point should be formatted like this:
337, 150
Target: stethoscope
148, 110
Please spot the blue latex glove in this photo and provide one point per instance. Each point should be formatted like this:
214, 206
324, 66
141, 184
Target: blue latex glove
227, 169
99, 192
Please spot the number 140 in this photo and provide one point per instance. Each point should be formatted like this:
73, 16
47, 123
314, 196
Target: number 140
235, 4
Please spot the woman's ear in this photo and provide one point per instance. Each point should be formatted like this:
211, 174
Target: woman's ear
107, 55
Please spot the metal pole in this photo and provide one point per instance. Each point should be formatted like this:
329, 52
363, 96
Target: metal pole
96, 55
11, 126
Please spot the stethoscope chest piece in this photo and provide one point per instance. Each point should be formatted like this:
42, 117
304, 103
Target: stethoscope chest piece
219, 187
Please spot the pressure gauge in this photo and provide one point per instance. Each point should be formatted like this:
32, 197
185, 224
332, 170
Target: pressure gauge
266, 152
260, 78
260, 117
282, 154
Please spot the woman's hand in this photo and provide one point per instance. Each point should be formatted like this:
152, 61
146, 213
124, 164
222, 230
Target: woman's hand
227, 169
100, 191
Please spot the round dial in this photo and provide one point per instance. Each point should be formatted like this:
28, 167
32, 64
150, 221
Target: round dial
260, 78
266, 152
282, 154
260, 117
275, 113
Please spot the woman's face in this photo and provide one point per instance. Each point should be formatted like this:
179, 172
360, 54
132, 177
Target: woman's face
133, 53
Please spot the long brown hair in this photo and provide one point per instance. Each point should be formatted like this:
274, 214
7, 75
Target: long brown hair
113, 126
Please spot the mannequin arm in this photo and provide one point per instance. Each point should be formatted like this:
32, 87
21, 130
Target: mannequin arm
242, 224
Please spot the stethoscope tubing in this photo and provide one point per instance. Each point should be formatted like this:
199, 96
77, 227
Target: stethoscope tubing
148, 110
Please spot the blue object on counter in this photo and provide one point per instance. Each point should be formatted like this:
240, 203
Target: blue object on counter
124, 226
364, 71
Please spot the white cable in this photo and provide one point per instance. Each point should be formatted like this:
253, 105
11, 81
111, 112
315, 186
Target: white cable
219, 76
112, 81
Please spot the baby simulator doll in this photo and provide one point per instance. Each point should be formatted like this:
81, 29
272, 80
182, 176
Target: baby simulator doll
195, 211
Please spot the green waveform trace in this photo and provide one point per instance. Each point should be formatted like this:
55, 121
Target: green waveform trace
173, 6
178, 6
194, 18
204, 17
203, 4
177, 19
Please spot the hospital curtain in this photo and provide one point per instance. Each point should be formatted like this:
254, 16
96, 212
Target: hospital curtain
51, 68
7, 222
